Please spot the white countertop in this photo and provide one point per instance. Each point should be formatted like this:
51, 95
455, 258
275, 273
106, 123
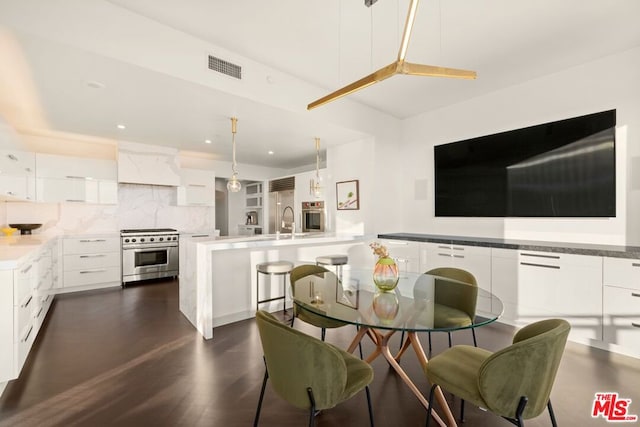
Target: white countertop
266, 240
13, 249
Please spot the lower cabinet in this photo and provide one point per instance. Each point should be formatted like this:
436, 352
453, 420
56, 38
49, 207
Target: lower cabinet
621, 305
406, 254
25, 298
91, 262
474, 259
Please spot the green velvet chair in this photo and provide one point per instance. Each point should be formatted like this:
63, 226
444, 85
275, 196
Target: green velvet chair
305, 315
454, 310
514, 382
306, 372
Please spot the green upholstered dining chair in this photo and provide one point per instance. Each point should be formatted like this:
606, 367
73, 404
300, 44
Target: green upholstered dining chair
514, 382
453, 309
306, 372
305, 315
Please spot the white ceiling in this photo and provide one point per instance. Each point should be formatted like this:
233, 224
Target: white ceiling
326, 43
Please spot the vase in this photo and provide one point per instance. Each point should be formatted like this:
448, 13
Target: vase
385, 274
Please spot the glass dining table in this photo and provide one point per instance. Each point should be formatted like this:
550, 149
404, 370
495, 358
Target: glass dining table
419, 303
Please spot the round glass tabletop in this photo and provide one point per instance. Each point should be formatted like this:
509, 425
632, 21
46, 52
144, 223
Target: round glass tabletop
420, 302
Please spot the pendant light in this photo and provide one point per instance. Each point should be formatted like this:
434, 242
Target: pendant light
315, 187
233, 184
399, 66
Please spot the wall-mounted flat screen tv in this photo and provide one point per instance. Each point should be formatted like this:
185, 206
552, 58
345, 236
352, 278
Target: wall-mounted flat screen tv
558, 169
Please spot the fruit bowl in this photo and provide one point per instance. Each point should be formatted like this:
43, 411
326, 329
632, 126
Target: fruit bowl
8, 231
25, 228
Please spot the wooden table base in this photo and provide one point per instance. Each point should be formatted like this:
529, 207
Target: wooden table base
382, 348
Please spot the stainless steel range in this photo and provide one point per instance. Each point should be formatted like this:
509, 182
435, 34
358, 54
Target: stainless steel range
149, 254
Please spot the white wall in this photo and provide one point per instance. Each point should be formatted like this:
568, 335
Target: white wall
611, 82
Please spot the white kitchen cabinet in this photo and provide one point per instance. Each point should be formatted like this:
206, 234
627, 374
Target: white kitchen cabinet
197, 188
75, 179
561, 285
253, 195
405, 253
17, 175
474, 259
91, 262
504, 282
25, 297
148, 164
621, 305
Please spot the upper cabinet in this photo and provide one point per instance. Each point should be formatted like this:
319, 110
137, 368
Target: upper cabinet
17, 175
197, 188
148, 164
75, 179
253, 193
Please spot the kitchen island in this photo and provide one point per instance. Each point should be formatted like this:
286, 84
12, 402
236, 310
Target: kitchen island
218, 275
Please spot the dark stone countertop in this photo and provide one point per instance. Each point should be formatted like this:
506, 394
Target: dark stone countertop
530, 245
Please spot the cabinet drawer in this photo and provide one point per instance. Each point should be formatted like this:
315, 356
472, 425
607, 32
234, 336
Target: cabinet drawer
23, 282
89, 245
22, 318
622, 272
91, 276
91, 261
622, 317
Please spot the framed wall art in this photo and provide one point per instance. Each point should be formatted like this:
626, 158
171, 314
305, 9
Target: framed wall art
347, 195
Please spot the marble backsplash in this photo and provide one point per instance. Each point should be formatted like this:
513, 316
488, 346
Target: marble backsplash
139, 206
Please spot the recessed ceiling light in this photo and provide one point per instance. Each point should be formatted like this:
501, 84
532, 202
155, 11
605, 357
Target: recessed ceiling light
270, 153
207, 141
122, 127
95, 84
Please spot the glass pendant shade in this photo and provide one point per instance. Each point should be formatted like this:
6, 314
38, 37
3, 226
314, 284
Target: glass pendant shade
233, 184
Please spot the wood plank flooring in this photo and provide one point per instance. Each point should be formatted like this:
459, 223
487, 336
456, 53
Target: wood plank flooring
127, 357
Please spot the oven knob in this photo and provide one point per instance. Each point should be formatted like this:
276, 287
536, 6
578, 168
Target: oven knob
161, 239
142, 239
152, 239
175, 238
126, 240
133, 240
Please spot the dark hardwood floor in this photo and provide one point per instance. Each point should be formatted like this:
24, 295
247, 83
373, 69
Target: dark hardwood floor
127, 357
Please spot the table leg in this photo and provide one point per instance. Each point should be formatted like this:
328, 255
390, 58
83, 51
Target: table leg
382, 348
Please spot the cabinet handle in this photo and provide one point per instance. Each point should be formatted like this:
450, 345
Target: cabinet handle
26, 304
26, 269
92, 240
12, 157
196, 185
447, 255
77, 177
11, 193
28, 333
541, 256
458, 256
557, 267
635, 325
93, 256
444, 247
75, 200
92, 271
200, 235
457, 248
39, 313
635, 294
635, 264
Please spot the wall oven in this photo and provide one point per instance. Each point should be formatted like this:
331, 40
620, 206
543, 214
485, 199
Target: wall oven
149, 254
313, 216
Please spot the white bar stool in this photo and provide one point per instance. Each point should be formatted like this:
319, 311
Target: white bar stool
273, 268
337, 261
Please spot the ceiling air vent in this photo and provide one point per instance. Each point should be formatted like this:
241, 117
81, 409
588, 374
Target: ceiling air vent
282, 184
225, 67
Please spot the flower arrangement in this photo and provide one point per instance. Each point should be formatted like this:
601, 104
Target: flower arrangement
380, 250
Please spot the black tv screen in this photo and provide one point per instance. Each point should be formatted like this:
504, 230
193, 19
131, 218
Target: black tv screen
558, 169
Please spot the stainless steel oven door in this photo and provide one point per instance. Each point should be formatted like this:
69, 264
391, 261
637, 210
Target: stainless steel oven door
149, 263
312, 220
